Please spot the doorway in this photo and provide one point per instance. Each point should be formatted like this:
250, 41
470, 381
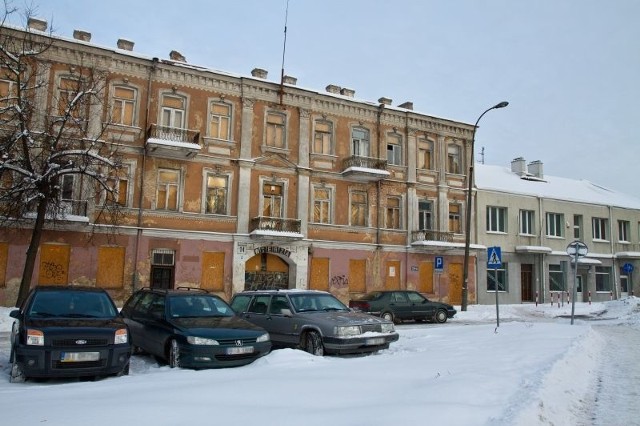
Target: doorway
526, 282
266, 271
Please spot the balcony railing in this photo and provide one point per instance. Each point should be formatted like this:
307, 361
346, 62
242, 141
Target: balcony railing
278, 224
364, 168
74, 207
172, 141
428, 235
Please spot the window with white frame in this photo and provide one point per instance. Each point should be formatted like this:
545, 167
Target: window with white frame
323, 137
220, 120
453, 159
217, 189
392, 217
603, 278
425, 215
168, 189
394, 149
173, 111
276, 129
599, 227
360, 142
527, 224
123, 106
272, 199
322, 203
499, 277
577, 226
556, 278
454, 218
623, 230
555, 224
496, 219
359, 208
425, 154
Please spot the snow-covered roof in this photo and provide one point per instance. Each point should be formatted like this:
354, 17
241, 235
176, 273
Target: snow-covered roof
502, 179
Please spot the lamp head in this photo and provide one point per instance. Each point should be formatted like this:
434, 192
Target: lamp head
502, 104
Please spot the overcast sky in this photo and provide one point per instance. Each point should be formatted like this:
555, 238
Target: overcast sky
570, 69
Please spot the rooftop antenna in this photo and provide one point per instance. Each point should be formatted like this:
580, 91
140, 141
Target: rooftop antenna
284, 49
482, 155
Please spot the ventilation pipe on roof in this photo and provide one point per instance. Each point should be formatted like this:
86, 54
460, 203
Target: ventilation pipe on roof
385, 101
332, 88
37, 24
518, 165
125, 44
347, 92
81, 35
259, 73
174, 55
535, 168
287, 79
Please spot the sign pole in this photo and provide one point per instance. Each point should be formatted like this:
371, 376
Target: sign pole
495, 278
575, 287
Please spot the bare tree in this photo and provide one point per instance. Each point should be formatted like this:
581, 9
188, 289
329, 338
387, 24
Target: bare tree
53, 161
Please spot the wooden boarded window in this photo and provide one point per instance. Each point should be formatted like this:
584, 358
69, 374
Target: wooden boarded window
54, 264
319, 274
393, 275
425, 277
4, 255
110, 267
212, 277
357, 275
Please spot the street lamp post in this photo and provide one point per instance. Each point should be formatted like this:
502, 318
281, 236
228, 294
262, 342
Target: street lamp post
467, 232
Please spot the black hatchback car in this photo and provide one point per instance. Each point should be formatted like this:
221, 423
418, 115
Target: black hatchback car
68, 332
192, 328
401, 305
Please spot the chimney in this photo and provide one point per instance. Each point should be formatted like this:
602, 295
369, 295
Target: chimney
81, 35
174, 55
347, 92
518, 165
332, 88
535, 168
259, 73
125, 44
37, 24
406, 105
385, 101
287, 79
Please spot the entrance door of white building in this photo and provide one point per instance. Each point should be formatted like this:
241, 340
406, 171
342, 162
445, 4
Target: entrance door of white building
624, 285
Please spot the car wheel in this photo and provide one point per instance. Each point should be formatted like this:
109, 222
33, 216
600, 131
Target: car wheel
390, 317
441, 316
125, 371
16, 375
312, 343
174, 354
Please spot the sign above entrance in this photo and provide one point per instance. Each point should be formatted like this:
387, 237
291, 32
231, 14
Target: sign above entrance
272, 249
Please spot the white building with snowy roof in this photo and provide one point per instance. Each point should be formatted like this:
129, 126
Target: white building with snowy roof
533, 218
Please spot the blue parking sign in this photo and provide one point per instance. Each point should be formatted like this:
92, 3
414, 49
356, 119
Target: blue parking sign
439, 263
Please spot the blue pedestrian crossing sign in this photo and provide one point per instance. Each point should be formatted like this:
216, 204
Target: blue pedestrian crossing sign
439, 263
494, 257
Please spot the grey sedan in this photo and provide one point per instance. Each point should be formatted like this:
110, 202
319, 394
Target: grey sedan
314, 321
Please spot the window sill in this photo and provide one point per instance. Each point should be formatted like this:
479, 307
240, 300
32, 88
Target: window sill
497, 232
284, 151
554, 237
597, 240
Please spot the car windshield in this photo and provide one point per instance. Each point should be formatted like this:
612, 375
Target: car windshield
196, 306
72, 304
309, 302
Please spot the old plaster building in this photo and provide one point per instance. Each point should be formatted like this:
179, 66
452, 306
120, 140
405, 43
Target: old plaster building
533, 218
237, 182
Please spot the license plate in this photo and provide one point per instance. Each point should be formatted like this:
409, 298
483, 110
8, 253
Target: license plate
374, 341
240, 350
79, 356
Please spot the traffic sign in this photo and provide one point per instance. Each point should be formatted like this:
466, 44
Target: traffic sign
494, 259
627, 268
577, 248
439, 263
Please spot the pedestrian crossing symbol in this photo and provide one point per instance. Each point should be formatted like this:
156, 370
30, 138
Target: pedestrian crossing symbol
494, 259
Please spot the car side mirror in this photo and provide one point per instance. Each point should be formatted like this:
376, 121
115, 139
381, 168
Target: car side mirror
15, 314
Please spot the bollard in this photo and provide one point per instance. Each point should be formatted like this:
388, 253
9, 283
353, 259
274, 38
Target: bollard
536, 298
611, 295
589, 297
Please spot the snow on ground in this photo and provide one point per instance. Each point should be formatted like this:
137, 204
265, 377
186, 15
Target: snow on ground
535, 368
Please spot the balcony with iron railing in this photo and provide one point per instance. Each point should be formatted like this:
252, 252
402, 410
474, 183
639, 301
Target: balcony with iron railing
172, 141
364, 168
429, 237
275, 227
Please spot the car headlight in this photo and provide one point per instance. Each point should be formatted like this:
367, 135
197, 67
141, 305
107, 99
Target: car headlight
35, 337
264, 338
195, 340
347, 330
121, 337
387, 328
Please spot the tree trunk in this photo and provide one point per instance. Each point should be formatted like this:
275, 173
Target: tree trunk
32, 252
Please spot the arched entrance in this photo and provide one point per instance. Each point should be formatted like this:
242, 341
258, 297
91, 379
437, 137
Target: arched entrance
266, 271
